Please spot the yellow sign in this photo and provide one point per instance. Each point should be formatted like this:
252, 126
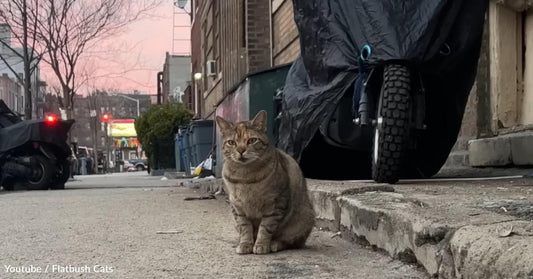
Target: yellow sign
119, 128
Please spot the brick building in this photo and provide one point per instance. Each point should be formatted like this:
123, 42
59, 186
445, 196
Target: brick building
234, 38
285, 42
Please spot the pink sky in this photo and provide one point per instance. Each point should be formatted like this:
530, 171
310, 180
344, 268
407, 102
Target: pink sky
133, 59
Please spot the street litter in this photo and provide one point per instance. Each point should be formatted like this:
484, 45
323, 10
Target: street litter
169, 232
506, 232
164, 178
205, 168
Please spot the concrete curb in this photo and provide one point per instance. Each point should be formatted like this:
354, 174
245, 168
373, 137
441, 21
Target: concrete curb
206, 185
462, 247
410, 226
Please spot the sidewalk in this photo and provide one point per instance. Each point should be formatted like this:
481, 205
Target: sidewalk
454, 229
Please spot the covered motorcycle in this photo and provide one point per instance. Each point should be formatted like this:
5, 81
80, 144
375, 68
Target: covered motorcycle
34, 154
381, 83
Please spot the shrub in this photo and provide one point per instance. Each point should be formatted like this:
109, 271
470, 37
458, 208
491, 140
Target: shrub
160, 124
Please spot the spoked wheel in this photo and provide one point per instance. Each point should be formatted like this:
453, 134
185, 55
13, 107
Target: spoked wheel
42, 174
391, 132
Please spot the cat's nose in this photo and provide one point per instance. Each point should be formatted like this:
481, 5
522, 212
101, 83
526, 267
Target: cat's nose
241, 149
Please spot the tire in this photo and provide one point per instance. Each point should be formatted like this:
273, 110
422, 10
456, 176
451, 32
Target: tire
391, 132
139, 168
8, 185
43, 172
63, 174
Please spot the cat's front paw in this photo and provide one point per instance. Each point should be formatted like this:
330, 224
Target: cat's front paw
244, 248
262, 248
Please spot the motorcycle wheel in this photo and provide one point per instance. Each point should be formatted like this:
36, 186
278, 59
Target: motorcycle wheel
391, 132
63, 175
8, 185
43, 172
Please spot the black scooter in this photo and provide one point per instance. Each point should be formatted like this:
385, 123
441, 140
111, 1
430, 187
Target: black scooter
34, 154
380, 87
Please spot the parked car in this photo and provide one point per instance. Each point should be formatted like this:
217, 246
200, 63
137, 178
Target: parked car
136, 165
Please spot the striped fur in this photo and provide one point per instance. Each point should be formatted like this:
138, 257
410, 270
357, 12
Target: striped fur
267, 190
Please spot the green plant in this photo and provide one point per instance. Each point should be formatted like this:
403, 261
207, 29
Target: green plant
160, 124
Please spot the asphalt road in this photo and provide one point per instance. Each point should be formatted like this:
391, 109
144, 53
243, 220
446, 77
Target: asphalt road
107, 227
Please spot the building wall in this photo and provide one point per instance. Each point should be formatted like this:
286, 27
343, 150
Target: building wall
234, 59
176, 76
286, 43
506, 117
511, 65
257, 23
196, 59
188, 98
9, 92
235, 34
15, 64
526, 115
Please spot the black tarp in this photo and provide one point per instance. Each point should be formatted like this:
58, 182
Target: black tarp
441, 38
14, 132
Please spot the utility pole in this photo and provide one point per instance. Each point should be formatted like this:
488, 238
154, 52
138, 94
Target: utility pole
93, 106
106, 119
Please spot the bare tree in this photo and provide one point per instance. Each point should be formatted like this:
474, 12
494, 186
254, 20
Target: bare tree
69, 28
20, 18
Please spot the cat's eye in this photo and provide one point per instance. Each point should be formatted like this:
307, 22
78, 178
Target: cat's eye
230, 142
252, 140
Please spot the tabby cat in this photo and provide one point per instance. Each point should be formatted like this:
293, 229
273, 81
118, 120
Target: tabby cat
267, 191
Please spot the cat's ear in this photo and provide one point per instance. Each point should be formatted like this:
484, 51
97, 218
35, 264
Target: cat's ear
260, 121
223, 124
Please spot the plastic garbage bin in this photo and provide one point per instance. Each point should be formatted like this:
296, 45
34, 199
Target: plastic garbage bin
201, 140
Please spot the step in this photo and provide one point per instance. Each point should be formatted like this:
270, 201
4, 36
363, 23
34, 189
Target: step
433, 229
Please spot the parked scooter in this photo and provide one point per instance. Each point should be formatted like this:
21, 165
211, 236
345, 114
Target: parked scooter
34, 154
380, 87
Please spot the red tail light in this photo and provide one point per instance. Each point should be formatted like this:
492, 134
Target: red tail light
106, 117
50, 119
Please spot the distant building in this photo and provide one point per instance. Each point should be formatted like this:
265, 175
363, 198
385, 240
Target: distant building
15, 62
10, 93
176, 77
118, 106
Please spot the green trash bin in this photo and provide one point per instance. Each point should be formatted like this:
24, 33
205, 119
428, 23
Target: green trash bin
201, 140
